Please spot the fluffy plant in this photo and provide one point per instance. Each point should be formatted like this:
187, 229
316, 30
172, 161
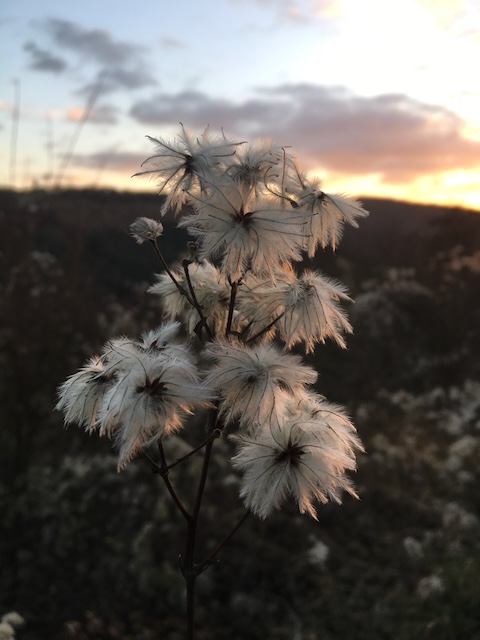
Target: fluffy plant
233, 309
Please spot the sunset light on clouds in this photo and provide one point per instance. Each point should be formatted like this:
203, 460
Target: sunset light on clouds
378, 98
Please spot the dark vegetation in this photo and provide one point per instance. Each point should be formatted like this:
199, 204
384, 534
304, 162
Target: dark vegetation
86, 553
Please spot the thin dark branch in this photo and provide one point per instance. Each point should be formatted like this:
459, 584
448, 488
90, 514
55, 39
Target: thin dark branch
160, 469
209, 559
159, 255
195, 302
170, 488
231, 308
189, 569
156, 468
265, 329
206, 462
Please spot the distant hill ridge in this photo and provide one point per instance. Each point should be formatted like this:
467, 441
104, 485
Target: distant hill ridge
408, 216
390, 225
411, 216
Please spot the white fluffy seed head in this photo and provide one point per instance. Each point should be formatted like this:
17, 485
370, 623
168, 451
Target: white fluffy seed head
306, 307
254, 383
146, 229
246, 233
299, 456
150, 401
81, 395
182, 165
211, 291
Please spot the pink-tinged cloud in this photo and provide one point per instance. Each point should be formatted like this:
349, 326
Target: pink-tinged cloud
121, 161
99, 115
300, 11
392, 135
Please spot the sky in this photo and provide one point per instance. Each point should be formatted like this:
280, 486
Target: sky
376, 98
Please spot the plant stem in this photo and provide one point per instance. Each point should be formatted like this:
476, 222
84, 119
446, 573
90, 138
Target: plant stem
170, 487
196, 304
159, 255
190, 571
157, 468
190, 584
231, 308
265, 329
209, 559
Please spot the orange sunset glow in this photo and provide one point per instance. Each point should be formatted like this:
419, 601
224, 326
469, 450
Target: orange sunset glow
384, 106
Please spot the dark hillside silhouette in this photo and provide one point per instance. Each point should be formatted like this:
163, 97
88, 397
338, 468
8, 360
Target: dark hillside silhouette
89, 554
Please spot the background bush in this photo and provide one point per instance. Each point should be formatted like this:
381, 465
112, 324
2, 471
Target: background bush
89, 553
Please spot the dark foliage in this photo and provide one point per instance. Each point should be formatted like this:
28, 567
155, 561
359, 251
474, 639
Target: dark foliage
86, 553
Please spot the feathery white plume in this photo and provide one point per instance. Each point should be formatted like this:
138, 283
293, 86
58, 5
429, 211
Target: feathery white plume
255, 383
300, 456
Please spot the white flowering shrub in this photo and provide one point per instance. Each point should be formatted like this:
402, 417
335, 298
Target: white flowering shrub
232, 310
9, 623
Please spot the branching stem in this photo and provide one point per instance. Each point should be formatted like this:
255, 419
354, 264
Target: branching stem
181, 289
170, 488
265, 329
156, 468
231, 308
195, 302
210, 558
189, 568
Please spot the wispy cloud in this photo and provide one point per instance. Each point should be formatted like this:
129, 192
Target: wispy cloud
300, 11
115, 160
105, 114
96, 44
122, 64
113, 78
43, 60
199, 109
172, 43
391, 135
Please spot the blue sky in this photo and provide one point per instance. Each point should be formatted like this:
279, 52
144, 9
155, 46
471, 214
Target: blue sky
377, 98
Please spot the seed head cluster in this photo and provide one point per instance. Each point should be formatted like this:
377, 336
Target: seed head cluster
232, 309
